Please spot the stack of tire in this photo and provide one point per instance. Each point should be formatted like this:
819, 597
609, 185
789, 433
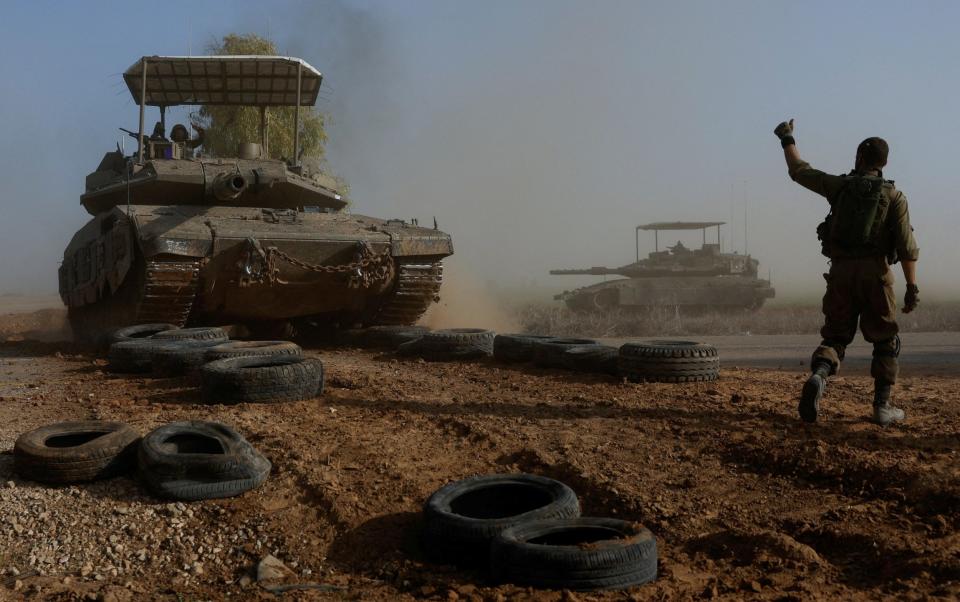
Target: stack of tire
527, 530
179, 461
653, 361
230, 371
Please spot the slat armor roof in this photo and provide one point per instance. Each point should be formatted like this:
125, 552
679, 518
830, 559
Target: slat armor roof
224, 80
679, 225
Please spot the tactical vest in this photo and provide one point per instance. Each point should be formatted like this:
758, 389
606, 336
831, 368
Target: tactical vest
854, 226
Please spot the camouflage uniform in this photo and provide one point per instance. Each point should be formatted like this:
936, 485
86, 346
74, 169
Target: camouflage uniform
860, 282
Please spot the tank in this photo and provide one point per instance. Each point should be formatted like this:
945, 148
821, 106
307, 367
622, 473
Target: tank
676, 277
195, 240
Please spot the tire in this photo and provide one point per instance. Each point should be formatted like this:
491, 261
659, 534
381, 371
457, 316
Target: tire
575, 553
72, 452
451, 344
134, 356
461, 518
230, 349
517, 347
549, 354
261, 379
669, 361
179, 357
595, 359
390, 337
138, 331
197, 460
212, 334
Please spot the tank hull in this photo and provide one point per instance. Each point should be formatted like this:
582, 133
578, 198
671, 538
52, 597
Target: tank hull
706, 292
218, 265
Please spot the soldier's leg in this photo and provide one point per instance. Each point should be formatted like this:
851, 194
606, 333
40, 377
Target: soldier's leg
879, 326
839, 327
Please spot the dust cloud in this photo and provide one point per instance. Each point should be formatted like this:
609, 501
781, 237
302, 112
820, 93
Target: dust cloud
466, 302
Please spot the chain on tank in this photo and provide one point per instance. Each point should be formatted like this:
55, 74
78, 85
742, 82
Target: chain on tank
367, 269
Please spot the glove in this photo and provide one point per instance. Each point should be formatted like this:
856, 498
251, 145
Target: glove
784, 132
911, 299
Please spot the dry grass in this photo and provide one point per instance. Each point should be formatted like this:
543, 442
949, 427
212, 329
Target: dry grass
558, 320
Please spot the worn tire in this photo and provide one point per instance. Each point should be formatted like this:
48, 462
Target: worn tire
575, 554
669, 361
134, 356
230, 349
517, 347
206, 333
72, 452
138, 331
261, 379
179, 357
451, 344
391, 337
198, 460
549, 354
461, 518
595, 359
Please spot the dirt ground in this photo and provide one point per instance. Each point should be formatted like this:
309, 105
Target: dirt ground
745, 501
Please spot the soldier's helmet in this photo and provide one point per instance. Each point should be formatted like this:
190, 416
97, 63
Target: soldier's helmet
179, 133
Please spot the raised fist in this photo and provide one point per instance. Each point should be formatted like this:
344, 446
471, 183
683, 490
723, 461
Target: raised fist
784, 129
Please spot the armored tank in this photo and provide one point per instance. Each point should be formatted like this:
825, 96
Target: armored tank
189, 239
676, 277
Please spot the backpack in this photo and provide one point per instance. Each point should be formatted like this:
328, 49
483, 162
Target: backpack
857, 215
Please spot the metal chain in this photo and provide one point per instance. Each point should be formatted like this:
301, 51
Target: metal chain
371, 267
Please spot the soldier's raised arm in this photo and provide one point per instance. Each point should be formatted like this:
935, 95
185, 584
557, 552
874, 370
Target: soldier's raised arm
824, 184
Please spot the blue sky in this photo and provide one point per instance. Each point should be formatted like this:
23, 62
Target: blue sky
537, 132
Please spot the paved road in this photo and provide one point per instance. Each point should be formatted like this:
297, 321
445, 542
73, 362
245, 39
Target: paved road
923, 352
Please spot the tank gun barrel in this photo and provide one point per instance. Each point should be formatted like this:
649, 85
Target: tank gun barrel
228, 186
594, 271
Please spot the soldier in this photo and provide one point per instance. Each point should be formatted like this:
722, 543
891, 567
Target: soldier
867, 230
180, 134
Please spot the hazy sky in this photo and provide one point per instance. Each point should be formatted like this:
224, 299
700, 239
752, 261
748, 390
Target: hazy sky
539, 133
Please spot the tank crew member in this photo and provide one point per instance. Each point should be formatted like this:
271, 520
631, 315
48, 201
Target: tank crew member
158, 133
867, 230
179, 134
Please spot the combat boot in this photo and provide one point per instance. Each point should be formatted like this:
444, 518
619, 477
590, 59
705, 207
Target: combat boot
812, 392
884, 413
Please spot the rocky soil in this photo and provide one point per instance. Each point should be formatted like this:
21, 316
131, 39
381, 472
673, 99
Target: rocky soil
746, 502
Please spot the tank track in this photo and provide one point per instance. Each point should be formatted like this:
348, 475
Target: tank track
169, 290
418, 286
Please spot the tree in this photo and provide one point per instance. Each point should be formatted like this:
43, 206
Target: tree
227, 126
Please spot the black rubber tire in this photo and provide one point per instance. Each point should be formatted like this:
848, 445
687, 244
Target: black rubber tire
179, 357
198, 460
461, 518
134, 356
595, 359
230, 349
517, 347
549, 354
206, 333
669, 361
72, 452
576, 554
451, 344
261, 379
391, 337
138, 331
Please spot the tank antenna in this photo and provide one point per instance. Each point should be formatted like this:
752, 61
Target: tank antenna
745, 249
